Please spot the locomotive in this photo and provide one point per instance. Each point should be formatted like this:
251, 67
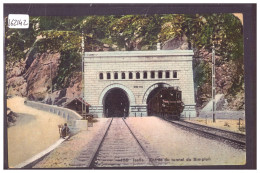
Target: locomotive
167, 103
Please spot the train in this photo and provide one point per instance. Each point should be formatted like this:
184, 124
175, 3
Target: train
166, 103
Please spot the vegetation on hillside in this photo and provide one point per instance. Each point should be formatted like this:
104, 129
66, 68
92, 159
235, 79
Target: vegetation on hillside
131, 32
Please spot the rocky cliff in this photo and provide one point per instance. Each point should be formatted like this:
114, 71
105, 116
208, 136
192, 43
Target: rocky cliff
228, 80
33, 78
228, 76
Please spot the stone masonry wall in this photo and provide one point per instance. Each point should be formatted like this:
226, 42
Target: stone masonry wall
142, 61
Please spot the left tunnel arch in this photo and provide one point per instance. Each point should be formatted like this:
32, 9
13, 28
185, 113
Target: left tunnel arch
116, 103
125, 95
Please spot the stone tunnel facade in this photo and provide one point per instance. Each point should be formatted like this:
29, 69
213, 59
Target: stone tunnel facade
137, 74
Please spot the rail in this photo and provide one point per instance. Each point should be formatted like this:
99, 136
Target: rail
92, 163
122, 164
236, 140
143, 148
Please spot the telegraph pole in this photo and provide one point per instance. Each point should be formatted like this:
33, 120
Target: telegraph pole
82, 67
51, 74
213, 85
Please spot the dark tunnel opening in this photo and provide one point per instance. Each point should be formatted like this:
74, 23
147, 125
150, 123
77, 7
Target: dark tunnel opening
116, 103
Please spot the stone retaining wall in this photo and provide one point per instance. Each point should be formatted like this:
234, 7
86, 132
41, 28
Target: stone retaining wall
73, 118
235, 115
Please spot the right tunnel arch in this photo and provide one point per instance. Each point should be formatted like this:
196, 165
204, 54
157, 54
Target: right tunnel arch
151, 92
151, 89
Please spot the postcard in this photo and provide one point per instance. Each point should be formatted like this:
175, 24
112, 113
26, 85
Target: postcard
124, 86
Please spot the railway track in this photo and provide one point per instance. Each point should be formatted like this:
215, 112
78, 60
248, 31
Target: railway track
236, 140
120, 148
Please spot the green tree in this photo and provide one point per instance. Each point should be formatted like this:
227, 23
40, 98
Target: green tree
18, 41
130, 32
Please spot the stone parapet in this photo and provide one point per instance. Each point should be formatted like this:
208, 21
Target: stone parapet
71, 116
